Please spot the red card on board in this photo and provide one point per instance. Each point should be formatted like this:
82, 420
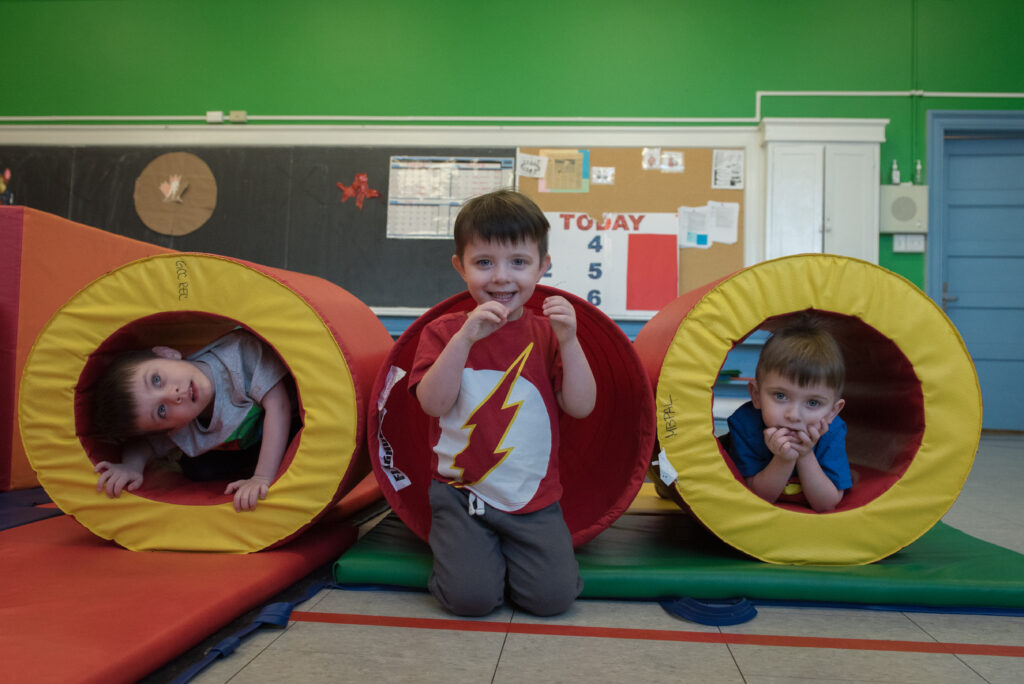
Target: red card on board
652, 275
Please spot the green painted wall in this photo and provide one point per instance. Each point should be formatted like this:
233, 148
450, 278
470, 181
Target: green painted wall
601, 58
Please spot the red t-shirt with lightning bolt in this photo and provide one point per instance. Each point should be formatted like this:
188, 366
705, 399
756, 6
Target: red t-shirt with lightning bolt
500, 440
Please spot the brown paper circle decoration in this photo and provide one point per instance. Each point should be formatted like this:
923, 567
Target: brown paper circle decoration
175, 194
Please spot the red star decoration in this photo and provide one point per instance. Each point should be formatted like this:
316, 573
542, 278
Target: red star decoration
360, 189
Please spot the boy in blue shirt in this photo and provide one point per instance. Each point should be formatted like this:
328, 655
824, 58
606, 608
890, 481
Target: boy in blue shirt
789, 439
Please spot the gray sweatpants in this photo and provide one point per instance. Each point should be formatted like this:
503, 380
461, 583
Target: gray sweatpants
476, 556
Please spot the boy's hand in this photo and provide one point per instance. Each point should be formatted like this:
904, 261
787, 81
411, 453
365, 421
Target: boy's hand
815, 431
794, 444
562, 316
781, 442
248, 492
808, 439
115, 478
483, 320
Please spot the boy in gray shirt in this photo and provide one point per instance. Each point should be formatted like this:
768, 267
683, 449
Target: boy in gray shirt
228, 393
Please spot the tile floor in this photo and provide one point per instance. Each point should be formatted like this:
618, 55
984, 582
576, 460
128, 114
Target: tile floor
409, 639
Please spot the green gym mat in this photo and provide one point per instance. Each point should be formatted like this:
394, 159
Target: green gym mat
644, 556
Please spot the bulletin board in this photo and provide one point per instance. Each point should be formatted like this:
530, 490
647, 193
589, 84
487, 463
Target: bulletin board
632, 211
296, 207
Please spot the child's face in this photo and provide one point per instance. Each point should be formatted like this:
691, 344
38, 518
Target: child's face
504, 273
784, 403
169, 392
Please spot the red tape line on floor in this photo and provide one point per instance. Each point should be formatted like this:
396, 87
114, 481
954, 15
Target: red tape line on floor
661, 634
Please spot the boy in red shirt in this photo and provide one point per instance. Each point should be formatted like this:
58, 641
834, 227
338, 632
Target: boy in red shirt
495, 378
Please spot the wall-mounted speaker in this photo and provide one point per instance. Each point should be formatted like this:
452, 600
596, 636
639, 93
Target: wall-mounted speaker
903, 208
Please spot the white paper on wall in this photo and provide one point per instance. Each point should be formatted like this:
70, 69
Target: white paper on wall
727, 170
724, 221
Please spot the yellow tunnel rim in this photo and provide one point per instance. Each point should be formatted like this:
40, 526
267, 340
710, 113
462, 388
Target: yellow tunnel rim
743, 302
222, 287
186, 331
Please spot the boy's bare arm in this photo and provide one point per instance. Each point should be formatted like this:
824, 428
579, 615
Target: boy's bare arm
773, 478
791, 449
579, 390
126, 475
821, 493
277, 411
439, 387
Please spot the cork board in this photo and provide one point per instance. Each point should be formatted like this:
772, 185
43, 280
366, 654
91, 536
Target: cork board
636, 189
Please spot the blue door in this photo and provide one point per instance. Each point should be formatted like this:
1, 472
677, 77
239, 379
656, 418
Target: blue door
977, 269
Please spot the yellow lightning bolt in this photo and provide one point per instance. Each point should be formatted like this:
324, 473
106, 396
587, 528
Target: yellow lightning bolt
489, 415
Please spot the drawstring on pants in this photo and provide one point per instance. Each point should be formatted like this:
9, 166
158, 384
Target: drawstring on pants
476, 505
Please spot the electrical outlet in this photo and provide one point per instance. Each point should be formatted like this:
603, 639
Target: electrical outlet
214, 117
238, 116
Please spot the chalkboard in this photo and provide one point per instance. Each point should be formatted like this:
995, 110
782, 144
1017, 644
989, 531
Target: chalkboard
277, 206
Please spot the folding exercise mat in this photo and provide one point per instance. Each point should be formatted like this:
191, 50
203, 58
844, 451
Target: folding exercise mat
657, 556
74, 607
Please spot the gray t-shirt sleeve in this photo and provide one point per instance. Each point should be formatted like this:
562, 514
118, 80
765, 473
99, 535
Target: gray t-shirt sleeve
243, 370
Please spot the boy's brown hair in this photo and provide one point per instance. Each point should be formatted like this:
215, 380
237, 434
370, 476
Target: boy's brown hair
113, 399
504, 216
804, 352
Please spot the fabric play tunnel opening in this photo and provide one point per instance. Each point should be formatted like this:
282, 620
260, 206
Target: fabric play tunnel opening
186, 332
330, 342
602, 458
884, 408
913, 407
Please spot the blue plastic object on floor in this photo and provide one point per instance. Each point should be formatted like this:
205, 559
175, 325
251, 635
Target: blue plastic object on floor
714, 613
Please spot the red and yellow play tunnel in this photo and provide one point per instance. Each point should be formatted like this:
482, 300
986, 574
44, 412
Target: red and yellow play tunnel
913, 407
331, 343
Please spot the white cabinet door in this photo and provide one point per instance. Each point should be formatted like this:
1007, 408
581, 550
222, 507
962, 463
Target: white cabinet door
822, 197
795, 201
851, 200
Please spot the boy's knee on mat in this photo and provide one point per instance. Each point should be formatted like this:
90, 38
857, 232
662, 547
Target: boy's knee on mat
549, 599
471, 599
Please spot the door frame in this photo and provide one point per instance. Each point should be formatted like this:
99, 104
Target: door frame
940, 123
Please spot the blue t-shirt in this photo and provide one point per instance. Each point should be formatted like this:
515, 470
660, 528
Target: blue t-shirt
751, 455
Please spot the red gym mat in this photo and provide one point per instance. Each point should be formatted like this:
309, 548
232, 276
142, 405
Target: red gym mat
74, 607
